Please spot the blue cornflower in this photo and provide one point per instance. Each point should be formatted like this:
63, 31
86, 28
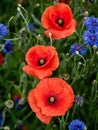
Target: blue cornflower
90, 39
30, 26
77, 48
78, 100
0, 118
76, 125
91, 23
8, 45
3, 30
96, 29
19, 103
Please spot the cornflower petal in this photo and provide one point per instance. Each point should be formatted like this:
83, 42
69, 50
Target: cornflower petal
90, 39
3, 30
8, 45
76, 125
77, 48
91, 23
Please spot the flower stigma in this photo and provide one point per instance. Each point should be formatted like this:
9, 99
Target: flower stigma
42, 61
60, 22
51, 99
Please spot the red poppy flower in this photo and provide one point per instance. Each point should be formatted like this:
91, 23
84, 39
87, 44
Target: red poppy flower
58, 21
1, 59
51, 97
42, 60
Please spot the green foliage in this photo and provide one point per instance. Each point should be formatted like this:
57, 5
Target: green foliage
80, 72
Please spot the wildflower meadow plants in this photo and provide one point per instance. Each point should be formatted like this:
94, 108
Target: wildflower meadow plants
49, 65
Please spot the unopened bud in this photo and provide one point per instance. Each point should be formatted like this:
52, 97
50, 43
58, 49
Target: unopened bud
67, 54
9, 104
66, 76
39, 37
97, 52
83, 1
94, 82
77, 52
21, 101
79, 63
85, 14
6, 128
85, 18
19, 5
37, 5
94, 47
18, 9
50, 34
85, 128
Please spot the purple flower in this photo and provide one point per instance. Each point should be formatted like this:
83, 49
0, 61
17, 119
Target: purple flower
76, 125
3, 30
30, 26
91, 23
90, 39
19, 103
8, 45
78, 100
77, 48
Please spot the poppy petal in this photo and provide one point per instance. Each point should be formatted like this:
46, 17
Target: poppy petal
57, 34
32, 101
43, 118
47, 54
37, 52
58, 88
39, 73
53, 12
58, 20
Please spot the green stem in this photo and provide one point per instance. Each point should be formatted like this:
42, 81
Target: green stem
62, 123
25, 118
50, 39
23, 18
83, 60
74, 108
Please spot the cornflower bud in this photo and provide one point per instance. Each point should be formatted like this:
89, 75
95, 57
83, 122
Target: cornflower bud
39, 37
9, 104
85, 13
6, 128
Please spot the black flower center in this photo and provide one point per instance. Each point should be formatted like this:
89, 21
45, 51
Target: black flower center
60, 22
41, 62
51, 100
